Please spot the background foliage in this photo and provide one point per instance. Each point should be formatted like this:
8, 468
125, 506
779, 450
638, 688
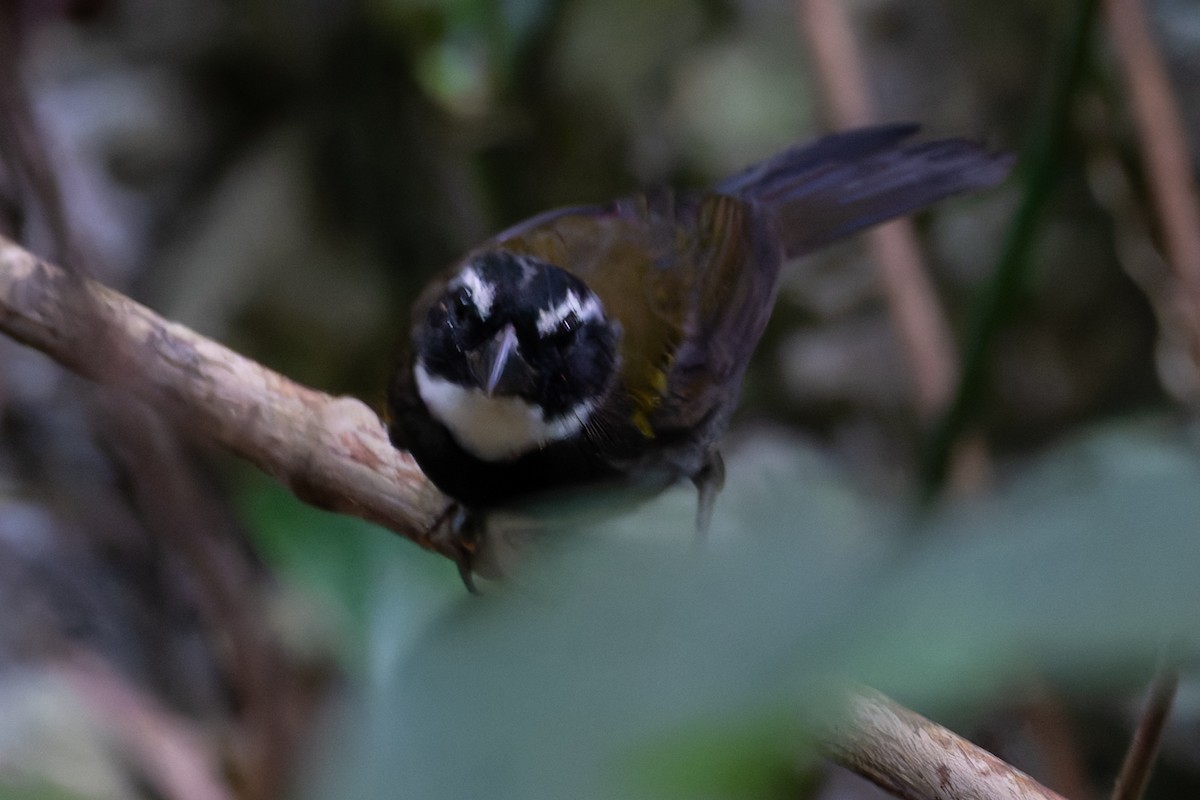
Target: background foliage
284, 177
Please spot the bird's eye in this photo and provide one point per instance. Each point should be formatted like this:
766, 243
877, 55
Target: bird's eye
462, 307
564, 331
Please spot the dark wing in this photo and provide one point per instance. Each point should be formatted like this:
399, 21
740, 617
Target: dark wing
790, 204
725, 279
848, 181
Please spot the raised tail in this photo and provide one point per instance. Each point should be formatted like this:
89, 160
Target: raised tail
848, 181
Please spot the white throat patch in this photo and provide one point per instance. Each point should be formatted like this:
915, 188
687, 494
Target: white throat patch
494, 428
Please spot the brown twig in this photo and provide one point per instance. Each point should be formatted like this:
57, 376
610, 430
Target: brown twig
1164, 149
332, 452
1139, 760
264, 686
170, 756
923, 329
158, 474
1057, 744
913, 758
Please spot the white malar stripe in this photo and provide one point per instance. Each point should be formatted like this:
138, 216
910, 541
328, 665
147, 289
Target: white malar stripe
494, 428
483, 294
549, 318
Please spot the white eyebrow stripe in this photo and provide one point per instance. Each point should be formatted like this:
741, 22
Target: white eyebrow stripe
549, 318
483, 294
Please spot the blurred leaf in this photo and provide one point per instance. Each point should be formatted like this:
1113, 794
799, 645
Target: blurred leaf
52, 745
471, 47
366, 576
34, 791
1085, 567
739, 97
1040, 162
759, 761
608, 640
612, 643
650, 38
326, 553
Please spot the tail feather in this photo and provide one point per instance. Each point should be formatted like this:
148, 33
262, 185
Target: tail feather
848, 181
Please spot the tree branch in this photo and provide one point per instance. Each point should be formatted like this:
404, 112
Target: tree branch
332, 452
913, 758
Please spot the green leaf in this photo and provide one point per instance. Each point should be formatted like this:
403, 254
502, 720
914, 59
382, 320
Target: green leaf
34, 790
625, 641
762, 760
372, 587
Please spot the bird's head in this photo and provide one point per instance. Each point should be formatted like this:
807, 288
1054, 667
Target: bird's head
514, 354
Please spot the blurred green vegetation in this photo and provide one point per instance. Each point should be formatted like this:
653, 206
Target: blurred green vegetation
616, 645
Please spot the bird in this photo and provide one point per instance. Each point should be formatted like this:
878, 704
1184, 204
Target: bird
605, 345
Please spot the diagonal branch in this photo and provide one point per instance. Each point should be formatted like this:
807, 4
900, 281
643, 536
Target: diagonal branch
916, 759
1164, 145
922, 327
332, 452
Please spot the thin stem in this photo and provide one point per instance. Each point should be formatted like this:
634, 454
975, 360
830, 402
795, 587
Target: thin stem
1139, 760
923, 330
1165, 152
1039, 162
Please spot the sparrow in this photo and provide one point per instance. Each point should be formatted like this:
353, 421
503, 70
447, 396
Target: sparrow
605, 345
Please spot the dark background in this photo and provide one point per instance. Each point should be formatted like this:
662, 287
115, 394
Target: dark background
284, 176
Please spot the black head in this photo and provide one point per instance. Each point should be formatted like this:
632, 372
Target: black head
514, 354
